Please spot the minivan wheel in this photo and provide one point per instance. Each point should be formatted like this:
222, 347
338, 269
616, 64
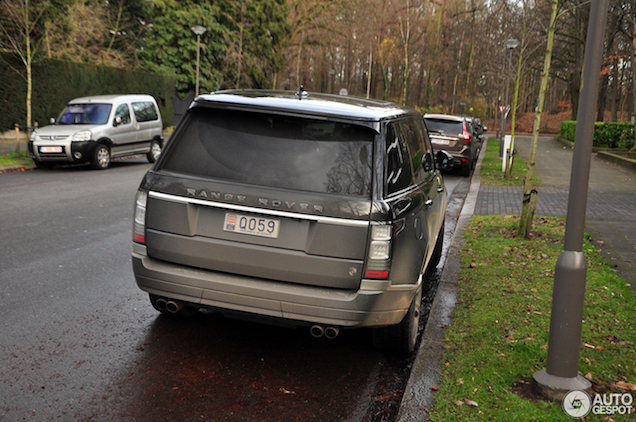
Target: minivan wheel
401, 338
101, 157
155, 151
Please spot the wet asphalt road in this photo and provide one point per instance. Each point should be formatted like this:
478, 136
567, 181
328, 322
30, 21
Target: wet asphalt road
80, 342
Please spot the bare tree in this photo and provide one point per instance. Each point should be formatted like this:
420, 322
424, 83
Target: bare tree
18, 25
529, 191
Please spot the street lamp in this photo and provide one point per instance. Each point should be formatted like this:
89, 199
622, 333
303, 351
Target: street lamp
199, 30
511, 44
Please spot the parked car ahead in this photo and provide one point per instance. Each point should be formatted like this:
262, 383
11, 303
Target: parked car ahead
478, 129
319, 210
456, 135
97, 129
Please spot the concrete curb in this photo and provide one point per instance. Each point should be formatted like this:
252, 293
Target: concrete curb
419, 396
9, 169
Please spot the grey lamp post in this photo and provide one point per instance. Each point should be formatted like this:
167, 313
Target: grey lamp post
199, 30
568, 294
511, 44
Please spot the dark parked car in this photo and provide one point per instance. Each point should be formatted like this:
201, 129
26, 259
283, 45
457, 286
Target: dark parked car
456, 135
478, 129
318, 210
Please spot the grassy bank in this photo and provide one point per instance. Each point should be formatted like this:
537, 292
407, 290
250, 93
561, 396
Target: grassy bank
491, 173
499, 334
10, 160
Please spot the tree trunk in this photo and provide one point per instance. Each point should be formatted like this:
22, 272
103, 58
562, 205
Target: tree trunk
529, 192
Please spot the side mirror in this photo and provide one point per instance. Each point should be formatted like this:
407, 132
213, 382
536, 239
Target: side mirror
117, 121
428, 163
444, 160
52, 121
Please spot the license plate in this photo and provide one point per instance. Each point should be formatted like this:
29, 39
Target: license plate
256, 226
441, 141
51, 149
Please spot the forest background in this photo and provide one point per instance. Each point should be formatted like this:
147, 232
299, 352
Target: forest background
446, 56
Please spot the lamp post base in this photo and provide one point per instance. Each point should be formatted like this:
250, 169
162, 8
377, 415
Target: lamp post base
555, 388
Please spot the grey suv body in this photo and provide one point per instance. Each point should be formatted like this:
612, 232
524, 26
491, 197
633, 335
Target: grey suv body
323, 211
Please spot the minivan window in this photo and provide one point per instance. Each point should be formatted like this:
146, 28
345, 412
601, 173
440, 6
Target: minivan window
445, 127
123, 112
274, 150
145, 111
86, 114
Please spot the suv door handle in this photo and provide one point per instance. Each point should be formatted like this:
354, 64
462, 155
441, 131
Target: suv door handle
428, 202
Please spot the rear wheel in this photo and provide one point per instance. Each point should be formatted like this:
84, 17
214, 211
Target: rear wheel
101, 157
155, 151
402, 337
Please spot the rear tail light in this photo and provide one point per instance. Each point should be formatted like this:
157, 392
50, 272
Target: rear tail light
379, 252
467, 136
139, 223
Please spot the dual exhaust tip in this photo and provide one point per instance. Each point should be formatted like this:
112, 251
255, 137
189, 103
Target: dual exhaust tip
172, 306
330, 332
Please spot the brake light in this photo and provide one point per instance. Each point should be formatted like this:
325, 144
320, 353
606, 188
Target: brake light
139, 222
467, 136
379, 252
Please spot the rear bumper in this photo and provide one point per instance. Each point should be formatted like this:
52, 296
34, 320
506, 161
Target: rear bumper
375, 304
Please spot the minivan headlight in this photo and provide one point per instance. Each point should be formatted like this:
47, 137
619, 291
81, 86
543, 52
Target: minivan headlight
82, 135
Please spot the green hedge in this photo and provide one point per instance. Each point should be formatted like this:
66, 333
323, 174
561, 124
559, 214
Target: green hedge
55, 82
606, 134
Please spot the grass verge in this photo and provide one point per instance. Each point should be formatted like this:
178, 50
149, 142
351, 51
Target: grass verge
491, 173
499, 334
10, 160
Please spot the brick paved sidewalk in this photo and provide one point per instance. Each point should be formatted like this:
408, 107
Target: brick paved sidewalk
611, 202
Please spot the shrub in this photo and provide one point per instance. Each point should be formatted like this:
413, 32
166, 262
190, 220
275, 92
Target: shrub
606, 134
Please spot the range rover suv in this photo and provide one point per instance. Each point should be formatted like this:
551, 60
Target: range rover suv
323, 211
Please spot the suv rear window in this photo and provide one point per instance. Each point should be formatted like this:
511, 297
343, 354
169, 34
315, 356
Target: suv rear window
274, 150
445, 127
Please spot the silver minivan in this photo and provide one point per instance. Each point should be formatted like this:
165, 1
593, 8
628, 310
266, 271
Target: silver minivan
318, 210
98, 129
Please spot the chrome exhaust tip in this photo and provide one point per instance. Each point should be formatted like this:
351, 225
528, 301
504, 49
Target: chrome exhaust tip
332, 332
317, 331
174, 306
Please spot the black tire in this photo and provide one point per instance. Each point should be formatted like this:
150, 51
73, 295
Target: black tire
437, 252
155, 151
402, 337
101, 157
